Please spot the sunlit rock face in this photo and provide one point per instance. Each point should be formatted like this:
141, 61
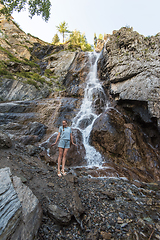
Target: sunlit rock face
130, 67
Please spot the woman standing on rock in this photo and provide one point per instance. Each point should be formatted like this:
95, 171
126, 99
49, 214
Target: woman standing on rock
65, 134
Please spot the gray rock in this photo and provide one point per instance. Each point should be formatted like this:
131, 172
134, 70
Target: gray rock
21, 213
36, 128
59, 214
17, 90
5, 141
31, 212
130, 66
10, 206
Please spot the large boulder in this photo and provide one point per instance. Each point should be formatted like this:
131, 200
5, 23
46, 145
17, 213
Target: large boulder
21, 214
125, 144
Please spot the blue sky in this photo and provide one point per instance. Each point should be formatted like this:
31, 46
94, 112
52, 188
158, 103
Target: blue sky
90, 16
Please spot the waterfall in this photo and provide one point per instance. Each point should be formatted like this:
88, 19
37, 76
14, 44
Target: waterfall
93, 104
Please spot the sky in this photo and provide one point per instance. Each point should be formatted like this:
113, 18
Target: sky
94, 16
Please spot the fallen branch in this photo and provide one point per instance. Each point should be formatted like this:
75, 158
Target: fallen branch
151, 235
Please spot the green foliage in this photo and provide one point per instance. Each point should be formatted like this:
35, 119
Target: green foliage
62, 28
100, 36
32, 82
55, 39
35, 7
4, 72
95, 40
48, 73
78, 40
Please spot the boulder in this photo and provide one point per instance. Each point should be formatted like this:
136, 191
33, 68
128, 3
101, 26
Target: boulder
10, 205
20, 217
5, 141
59, 214
108, 132
125, 144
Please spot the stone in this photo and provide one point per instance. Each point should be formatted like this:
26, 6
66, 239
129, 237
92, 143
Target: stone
5, 141
130, 67
108, 132
106, 235
59, 215
16, 90
10, 205
21, 213
36, 128
77, 207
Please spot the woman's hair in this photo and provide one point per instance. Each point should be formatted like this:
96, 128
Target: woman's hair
66, 122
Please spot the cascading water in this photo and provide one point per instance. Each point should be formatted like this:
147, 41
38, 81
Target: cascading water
93, 103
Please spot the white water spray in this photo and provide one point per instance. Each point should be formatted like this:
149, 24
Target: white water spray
94, 99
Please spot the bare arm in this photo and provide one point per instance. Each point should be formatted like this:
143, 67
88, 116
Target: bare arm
56, 139
72, 140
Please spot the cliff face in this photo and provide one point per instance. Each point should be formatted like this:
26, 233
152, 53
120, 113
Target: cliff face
130, 69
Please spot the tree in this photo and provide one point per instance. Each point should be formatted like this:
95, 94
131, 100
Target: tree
62, 28
100, 36
35, 7
95, 40
55, 39
78, 40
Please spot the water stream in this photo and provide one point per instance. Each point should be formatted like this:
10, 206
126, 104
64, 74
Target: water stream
93, 104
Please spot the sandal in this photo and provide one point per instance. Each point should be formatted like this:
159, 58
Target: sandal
63, 173
59, 174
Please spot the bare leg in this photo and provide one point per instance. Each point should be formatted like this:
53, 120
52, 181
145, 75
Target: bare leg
64, 158
59, 158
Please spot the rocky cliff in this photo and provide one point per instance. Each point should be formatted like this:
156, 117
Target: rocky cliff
40, 85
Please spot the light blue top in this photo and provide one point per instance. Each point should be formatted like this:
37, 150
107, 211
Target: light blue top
66, 133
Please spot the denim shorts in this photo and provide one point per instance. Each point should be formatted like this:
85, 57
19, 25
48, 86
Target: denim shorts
64, 143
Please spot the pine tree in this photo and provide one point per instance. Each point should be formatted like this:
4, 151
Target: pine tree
62, 28
55, 39
35, 7
95, 40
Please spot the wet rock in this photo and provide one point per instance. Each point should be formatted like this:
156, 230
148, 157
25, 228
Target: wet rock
36, 128
112, 135
68, 109
5, 141
59, 214
76, 76
108, 132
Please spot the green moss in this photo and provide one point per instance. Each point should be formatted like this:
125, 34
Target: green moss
4, 72
32, 82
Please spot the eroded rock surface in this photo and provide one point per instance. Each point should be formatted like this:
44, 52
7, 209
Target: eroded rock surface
125, 144
130, 66
20, 212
